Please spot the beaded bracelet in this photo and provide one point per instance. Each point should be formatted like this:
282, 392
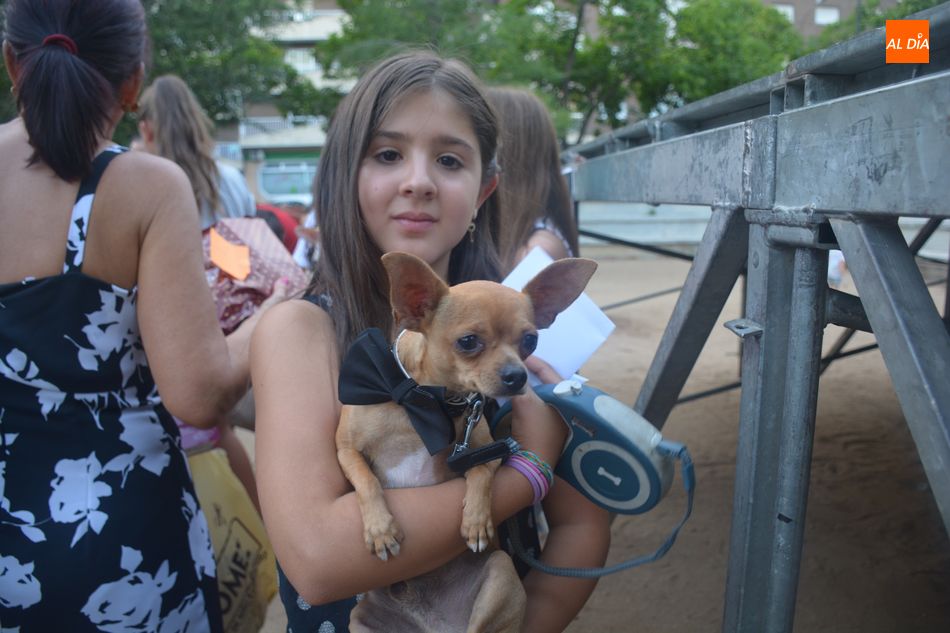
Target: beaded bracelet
535, 470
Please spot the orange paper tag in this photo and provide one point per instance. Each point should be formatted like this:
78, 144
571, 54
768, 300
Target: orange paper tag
907, 42
234, 259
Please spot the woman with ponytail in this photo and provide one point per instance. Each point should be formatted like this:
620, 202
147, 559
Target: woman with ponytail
103, 306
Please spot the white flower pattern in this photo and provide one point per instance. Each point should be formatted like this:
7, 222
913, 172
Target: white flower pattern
199, 537
18, 586
133, 603
76, 494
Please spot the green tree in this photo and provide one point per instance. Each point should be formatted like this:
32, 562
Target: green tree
375, 29
220, 50
721, 44
568, 51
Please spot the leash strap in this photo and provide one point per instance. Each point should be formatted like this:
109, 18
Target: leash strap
464, 457
674, 450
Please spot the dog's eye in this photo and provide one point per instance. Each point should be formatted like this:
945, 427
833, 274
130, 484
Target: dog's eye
528, 343
468, 343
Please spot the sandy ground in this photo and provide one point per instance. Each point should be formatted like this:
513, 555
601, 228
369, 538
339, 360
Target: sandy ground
876, 556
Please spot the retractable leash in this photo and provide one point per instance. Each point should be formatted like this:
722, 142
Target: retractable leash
615, 458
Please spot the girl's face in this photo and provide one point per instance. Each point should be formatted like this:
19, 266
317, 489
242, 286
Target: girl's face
420, 182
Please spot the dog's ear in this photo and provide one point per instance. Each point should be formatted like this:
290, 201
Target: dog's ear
557, 286
414, 289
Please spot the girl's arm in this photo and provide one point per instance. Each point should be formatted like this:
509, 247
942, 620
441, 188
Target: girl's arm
579, 536
310, 511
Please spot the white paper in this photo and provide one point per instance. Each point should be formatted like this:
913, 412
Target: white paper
576, 333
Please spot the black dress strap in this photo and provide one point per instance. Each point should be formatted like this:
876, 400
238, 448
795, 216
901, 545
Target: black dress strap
79, 220
323, 300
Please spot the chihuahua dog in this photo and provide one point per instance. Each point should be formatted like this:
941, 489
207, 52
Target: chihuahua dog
470, 340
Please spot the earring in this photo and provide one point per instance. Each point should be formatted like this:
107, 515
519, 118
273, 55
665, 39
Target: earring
471, 232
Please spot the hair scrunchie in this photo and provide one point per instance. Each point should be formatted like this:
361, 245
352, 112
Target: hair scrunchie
58, 39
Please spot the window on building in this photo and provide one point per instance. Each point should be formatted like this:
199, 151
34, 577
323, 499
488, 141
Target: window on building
287, 181
827, 15
787, 10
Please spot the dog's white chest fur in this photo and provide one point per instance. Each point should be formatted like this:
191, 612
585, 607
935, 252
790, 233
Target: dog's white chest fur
416, 469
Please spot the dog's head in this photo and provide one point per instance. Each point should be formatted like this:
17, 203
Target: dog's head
476, 335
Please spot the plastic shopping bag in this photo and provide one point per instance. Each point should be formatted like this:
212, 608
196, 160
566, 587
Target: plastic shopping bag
247, 572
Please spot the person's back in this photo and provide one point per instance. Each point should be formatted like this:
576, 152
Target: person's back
102, 301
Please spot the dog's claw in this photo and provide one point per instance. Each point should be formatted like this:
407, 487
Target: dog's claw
479, 536
382, 538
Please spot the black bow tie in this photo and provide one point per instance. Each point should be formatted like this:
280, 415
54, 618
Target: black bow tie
370, 374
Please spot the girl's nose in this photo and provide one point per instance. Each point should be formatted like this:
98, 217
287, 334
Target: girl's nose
418, 179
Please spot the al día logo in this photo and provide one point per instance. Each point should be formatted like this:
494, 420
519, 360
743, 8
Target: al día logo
908, 42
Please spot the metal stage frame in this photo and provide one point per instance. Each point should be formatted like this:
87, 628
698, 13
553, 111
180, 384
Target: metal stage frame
826, 154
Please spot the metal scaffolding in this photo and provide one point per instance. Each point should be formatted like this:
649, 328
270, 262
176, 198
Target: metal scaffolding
827, 154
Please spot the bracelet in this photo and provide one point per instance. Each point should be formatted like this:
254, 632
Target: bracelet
535, 470
542, 465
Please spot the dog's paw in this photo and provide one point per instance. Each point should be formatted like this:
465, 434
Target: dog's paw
478, 531
383, 537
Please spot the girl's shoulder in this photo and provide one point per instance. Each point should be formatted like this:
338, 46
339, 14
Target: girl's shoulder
292, 320
140, 184
143, 177
549, 238
292, 338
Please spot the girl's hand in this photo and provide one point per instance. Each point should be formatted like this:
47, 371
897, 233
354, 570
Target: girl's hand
281, 291
538, 427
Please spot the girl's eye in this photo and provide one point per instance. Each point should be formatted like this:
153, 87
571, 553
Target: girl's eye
528, 343
450, 161
387, 156
468, 343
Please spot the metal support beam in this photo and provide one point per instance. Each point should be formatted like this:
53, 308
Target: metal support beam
780, 368
912, 337
719, 260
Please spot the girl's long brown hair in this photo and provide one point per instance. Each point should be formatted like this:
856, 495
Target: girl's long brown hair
349, 270
531, 186
183, 134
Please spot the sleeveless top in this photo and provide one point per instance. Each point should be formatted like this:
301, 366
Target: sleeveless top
547, 224
100, 528
334, 617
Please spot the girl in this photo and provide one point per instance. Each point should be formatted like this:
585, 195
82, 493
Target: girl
408, 165
533, 194
173, 124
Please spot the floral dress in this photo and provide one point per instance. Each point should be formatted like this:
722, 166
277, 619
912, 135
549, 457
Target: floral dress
100, 529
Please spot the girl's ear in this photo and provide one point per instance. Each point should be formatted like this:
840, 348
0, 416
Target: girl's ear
147, 133
487, 190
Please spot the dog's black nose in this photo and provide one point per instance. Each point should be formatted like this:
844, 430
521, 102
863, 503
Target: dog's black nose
514, 378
